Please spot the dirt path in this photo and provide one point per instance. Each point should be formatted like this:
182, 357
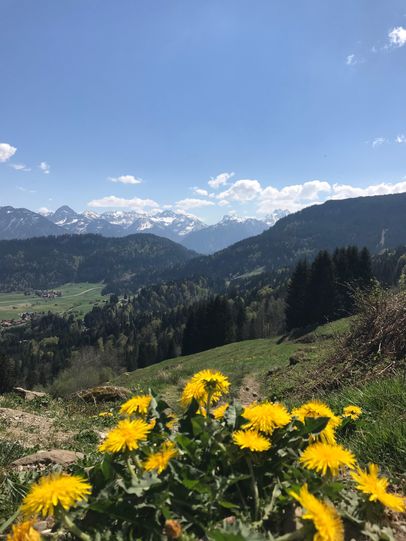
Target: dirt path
250, 390
80, 293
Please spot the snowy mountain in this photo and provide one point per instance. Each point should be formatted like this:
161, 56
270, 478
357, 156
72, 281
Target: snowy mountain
229, 230
178, 226
23, 224
88, 222
271, 219
170, 224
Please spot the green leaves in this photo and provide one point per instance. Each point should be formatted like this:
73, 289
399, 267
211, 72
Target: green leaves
212, 489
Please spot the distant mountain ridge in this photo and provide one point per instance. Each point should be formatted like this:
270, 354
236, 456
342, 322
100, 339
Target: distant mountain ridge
174, 225
377, 222
21, 223
228, 231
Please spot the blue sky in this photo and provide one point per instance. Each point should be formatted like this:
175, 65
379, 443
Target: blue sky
139, 104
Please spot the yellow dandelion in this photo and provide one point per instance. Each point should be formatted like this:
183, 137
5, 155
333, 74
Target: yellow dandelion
218, 413
159, 461
323, 457
315, 409
204, 384
370, 483
136, 404
266, 416
105, 414
55, 490
24, 532
126, 436
251, 439
352, 412
324, 516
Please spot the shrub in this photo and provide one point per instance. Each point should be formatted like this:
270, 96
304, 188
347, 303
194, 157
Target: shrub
219, 472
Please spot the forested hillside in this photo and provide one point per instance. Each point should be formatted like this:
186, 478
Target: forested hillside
48, 262
184, 317
377, 223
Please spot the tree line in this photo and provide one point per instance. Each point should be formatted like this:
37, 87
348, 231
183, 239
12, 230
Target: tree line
322, 291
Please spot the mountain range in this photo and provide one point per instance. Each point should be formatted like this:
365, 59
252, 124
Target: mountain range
186, 229
376, 222
130, 262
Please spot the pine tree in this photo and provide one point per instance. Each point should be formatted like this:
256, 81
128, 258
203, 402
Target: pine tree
321, 300
296, 299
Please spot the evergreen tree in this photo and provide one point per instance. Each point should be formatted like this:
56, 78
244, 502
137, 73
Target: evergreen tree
322, 289
296, 298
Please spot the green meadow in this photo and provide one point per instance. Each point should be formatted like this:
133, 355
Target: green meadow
78, 298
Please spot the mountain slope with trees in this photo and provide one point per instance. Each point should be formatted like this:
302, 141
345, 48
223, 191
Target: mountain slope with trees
377, 222
46, 262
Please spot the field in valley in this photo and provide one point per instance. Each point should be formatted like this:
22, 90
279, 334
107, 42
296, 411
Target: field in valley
78, 298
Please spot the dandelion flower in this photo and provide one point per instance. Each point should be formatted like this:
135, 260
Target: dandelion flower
266, 416
105, 414
204, 384
136, 404
251, 439
314, 410
218, 413
324, 516
323, 457
370, 483
159, 461
24, 532
352, 412
55, 490
126, 436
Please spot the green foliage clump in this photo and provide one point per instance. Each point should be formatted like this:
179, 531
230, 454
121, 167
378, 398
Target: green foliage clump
221, 473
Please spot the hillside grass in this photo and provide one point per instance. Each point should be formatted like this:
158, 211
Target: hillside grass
258, 369
76, 298
274, 367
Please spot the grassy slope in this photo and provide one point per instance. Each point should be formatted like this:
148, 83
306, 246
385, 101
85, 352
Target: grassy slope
75, 297
257, 369
263, 364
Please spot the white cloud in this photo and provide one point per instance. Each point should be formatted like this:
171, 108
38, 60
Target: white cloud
200, 191
298, 196
344, 191
45, 167
6, 151
113, 201
44, 211
220, 180
125, 179
351, 60
190, 203
378, 141
242, 191
223, 203
400, 139
293, 197
397, 36
19, 167
22, 189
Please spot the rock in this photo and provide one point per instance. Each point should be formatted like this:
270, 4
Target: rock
297, 357
28, 395
61, 457
104, 393
293, 360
